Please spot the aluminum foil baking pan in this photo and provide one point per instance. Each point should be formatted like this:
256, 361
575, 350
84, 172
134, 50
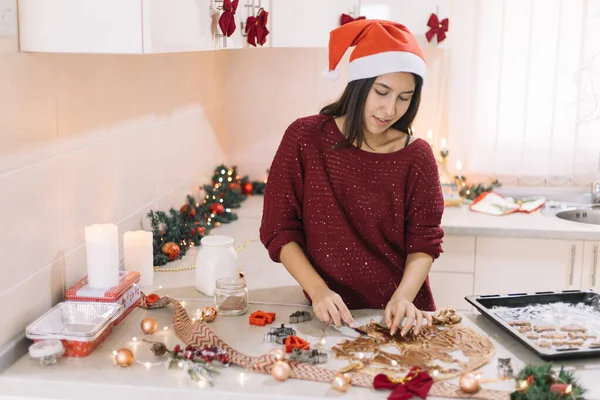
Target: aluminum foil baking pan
74, 319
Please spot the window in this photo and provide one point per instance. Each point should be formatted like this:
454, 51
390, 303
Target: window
524, 90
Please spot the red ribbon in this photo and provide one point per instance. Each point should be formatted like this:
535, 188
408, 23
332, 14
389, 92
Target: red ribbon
416, 383
227, 19
345, 19
437, 28
256, 28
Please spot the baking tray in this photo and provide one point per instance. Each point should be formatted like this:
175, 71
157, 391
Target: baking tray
486, 303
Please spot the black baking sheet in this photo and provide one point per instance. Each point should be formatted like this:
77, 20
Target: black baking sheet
485, 303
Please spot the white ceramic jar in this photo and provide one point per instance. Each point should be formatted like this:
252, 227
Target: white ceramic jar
216, 259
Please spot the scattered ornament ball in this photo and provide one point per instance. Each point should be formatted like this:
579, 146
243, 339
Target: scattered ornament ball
124, 357
469, 383
277, 352
281, 371
342, 382
171, 250
209, 313
149, 325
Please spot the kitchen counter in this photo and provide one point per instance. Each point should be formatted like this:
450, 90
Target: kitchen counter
95, 377
540, 224
464, 222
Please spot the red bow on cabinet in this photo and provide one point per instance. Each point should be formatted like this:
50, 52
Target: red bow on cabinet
416, 383
345, 19
227, 20
437, 28
256, 28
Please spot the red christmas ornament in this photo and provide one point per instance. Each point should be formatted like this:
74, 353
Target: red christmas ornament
256, 28
416, 383
346, 19
437, 28
171, 250
227, 20
561, 388
247, 189
201, 230
187, 210
217, 208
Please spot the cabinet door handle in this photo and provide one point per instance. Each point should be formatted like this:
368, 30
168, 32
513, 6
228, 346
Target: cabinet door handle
595, 266
572, 271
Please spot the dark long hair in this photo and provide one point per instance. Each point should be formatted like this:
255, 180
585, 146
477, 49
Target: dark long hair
352, 103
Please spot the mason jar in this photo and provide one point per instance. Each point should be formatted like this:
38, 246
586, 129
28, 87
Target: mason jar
231, 296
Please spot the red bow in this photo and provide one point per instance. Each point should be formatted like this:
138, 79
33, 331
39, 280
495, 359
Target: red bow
345, 19
227, 20
416, 383
437, 28
256, 28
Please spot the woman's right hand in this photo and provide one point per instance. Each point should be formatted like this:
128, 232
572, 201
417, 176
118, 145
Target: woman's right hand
330, 308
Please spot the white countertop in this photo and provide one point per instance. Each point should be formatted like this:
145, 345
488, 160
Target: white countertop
462, 221
268, 283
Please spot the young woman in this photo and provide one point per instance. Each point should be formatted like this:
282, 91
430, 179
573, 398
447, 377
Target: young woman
353, 204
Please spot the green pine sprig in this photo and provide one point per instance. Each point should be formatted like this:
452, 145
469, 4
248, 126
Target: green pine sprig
540, 379
187, 226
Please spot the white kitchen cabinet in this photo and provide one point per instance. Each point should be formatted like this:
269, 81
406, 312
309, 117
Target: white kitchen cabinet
590, 277
114, 26
452, 274
450, 289
413, 14
516, 265
307, 23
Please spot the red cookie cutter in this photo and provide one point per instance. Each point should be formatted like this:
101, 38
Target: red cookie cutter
294, 342
261, 318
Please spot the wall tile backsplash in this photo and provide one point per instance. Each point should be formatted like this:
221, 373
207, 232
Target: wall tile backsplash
105, 138
94, 139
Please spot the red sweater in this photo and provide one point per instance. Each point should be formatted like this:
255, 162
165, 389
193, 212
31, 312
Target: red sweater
356, 214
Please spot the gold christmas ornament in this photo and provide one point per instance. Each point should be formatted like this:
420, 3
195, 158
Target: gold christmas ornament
277, 352
149, 325
469, 383
281, 371
209, 313
124, 357
342, 382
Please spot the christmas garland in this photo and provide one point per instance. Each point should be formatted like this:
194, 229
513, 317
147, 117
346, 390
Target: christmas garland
175, 232
540, 382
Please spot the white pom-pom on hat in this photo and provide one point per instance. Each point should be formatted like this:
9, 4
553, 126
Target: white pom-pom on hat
330, 75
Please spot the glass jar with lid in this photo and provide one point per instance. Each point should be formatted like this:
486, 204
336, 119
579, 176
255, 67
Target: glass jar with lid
231, 296
216, 259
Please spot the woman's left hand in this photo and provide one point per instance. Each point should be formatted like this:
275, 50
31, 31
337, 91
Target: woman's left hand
400, 307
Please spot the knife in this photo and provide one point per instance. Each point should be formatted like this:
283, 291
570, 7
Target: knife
359, 331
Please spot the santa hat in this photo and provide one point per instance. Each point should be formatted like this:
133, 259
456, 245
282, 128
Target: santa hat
381, 47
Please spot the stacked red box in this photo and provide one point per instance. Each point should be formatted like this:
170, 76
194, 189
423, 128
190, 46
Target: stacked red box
126, 293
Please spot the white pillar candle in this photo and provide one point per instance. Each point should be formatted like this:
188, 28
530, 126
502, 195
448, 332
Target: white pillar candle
102, 254
138, 255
